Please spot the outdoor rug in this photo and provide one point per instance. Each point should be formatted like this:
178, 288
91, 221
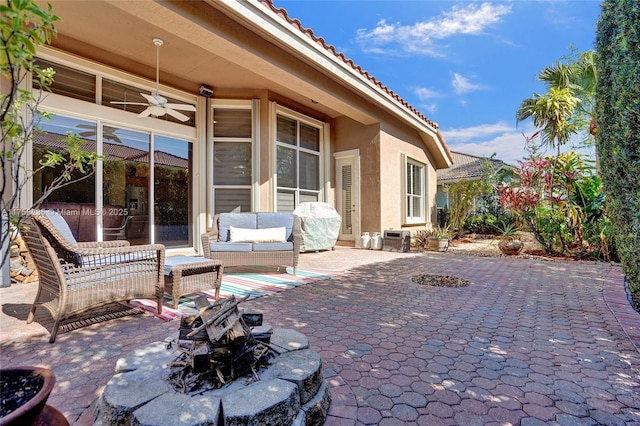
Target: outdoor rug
255, 281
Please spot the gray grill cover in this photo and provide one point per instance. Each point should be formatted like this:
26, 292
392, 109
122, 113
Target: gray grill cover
320, 225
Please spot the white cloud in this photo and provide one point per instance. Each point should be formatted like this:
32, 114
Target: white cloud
508, 147
429, 108
480, 131
502, 139
484, 140
422, 37
463, 85
424, 93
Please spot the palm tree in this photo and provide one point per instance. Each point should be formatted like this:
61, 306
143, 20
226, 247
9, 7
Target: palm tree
552, 114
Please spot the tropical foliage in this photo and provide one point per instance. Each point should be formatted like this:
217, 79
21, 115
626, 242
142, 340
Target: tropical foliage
24, 27
559, 199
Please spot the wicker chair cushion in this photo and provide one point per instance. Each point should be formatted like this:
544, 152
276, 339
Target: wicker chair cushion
127, 272
287, 246
113, 259
61, 225
231, 247
239, 220
276, 220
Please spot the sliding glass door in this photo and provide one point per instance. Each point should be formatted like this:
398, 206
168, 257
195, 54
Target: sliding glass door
131, 207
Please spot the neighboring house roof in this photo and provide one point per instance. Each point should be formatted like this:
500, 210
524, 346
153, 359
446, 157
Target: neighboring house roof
468, 167
111, 151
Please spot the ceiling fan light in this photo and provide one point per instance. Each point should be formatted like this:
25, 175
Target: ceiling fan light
156, 111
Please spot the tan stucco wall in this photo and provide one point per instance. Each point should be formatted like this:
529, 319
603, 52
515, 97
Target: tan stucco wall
349, 135
394, 142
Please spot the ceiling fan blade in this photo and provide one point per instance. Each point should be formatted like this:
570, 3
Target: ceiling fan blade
154, 99
176, 114
129, 103
181, 107
145, 113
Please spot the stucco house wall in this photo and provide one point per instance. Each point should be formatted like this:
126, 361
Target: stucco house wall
252, 52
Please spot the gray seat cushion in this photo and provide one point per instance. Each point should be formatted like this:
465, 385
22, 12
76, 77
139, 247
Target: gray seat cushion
276, 220
230, 247
171, 261
288, 246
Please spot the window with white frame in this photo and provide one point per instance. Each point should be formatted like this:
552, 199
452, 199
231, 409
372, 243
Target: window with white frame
298, 161
232, 158
415, 191
142, 185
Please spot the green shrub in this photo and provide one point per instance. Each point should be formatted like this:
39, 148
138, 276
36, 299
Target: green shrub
618, 126
482, 223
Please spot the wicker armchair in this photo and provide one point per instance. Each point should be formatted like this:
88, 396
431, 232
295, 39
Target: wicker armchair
75, 277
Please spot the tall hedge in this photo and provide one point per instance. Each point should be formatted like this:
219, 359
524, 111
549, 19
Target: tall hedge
618, 121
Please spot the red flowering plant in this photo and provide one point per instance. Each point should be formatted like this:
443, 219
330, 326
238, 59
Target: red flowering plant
545, 199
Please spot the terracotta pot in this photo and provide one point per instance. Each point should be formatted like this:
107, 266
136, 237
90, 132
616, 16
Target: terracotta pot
510, 246
28, 413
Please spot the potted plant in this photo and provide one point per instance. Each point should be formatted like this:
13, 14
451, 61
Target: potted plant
24, 394
420, 239
439, 238
510, 243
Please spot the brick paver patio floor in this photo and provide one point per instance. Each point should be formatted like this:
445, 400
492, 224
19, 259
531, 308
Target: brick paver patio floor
529, 342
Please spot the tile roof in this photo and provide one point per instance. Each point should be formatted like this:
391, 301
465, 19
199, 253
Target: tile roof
330, 48
467, 166
111, 151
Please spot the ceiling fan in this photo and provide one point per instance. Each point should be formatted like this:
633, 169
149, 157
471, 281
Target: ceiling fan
157, 105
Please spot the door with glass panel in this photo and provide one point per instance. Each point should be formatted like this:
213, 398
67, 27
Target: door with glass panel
155, 190
76, 202
125, 183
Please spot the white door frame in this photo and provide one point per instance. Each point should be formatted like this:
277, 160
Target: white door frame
345, 158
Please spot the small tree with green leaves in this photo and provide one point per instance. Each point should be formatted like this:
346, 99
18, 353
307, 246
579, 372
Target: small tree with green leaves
462, 197
24, 27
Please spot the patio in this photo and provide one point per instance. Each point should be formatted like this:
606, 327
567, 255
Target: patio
530, 341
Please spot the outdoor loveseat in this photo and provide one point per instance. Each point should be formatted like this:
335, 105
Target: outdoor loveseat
75, 277
254, 239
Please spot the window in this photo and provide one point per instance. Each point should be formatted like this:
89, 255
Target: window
415, 188
297, 162
73, 83
232, 158
142, 186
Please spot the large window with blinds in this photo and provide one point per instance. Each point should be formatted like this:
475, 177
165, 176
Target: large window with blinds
298, 147
232, 158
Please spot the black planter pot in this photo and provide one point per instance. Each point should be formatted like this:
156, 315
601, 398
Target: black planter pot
25, 391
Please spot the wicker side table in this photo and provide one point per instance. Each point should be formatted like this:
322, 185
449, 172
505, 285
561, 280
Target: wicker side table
188, 274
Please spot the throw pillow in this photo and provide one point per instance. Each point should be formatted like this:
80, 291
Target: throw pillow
266, 235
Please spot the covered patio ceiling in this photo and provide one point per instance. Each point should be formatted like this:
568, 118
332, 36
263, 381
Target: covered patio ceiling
203, 44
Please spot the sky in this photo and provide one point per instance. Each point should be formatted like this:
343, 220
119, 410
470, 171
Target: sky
467, 65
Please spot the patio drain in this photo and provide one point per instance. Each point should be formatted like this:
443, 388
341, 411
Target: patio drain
440, 280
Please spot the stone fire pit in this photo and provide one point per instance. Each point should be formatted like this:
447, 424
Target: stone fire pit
290, 391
